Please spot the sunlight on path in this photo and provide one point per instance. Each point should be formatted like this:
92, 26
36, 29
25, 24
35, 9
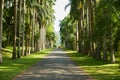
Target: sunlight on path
56, 66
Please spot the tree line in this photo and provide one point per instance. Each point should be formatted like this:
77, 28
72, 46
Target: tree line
93, 28
27, 25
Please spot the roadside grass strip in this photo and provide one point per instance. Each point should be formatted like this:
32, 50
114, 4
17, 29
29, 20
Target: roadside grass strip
98, 70
11, 68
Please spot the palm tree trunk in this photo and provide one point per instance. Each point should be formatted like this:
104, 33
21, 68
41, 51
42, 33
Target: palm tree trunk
119, 52
112, 56
19, 25
87, 32
15, 28
26, 45
23, 27
27, 31
1, 25
77, 36
44, 38
90, 27
32, 40
104, 48
98, 53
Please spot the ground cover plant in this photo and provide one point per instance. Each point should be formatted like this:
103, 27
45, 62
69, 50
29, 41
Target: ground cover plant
99, 70
11, 68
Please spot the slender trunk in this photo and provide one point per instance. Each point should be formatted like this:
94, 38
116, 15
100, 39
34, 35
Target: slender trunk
15, 28
105, 58
44, 38
27, 31
112, 56
8, 40
119, 52
77, 36
29, 44
87, 32
26, 46
32, 40
98, 53
82, 30
90, 27
39, 40
1, 25
19, 25
23, 27
94, 18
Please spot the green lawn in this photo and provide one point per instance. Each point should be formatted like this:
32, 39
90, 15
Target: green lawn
10, 68
99, 70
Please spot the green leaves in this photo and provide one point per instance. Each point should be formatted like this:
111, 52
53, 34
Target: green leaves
67, 32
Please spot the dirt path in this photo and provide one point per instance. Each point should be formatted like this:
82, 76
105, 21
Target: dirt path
56, 66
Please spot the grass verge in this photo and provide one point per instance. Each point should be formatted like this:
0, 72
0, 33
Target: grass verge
97, 69
11, 68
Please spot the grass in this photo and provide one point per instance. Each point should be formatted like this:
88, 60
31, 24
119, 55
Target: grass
11, 68
98, 70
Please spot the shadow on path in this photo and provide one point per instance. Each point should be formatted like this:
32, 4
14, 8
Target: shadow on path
56, 66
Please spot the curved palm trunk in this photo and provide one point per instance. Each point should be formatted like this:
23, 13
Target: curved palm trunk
15, 28
1, 16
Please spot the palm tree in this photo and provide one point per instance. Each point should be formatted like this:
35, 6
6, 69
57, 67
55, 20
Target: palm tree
15, 28
75, 13
27, 28
1, 16
19, 25
33, 28
23, 25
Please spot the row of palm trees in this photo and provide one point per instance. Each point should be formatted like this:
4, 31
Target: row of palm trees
97, 27
31, 19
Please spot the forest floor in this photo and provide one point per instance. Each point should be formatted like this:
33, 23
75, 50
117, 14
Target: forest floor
55, 66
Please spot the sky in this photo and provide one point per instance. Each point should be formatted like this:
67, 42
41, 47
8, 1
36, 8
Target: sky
60, 12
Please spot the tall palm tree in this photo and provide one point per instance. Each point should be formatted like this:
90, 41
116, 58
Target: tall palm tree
23, 25
19, 25
33, 27
1, 16
75, 13
14, 55
27, 28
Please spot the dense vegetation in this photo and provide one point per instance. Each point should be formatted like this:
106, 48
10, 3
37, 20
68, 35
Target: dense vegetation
27, 25
93, 28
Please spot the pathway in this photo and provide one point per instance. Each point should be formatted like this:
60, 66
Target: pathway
56, 66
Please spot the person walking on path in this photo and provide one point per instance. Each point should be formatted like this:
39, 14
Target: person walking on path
55, 66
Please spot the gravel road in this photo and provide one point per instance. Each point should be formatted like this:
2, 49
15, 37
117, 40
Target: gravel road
55, 66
